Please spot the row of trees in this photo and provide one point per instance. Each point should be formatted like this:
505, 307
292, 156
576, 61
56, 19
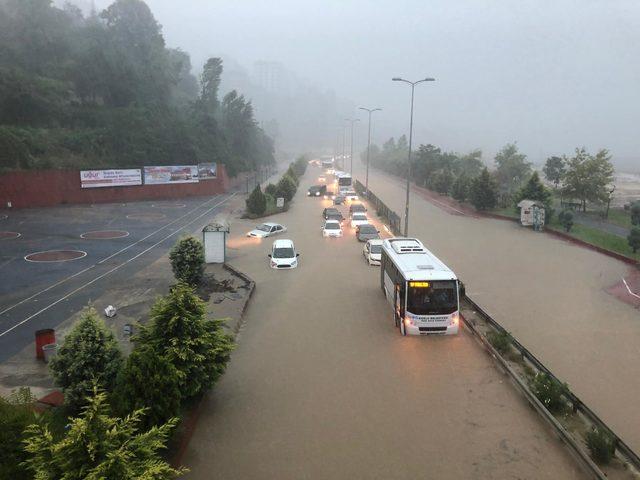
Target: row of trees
260, 203
106, 91
122, 410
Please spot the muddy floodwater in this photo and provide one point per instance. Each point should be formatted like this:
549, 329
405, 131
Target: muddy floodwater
322, 386
549, 293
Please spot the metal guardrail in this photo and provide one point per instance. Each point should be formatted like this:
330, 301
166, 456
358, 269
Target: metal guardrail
392, 217
576, 404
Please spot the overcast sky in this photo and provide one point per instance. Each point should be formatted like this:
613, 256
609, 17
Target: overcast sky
549, 74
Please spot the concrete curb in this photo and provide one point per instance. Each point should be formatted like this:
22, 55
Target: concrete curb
193, 415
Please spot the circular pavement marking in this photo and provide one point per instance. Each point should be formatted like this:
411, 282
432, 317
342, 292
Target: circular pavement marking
55, 256
168, 205
9, 235
146, 216
104, 234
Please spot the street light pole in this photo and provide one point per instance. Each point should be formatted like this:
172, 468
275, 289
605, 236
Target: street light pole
366, 181
413, 85
353, 121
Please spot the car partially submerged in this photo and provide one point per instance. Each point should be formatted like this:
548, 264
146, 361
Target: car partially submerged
367, 232
332, 228
358, 218
283, 255
316, 190
266, 230
372, 251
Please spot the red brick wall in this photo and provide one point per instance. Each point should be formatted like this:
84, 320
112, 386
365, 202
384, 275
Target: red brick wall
45, 188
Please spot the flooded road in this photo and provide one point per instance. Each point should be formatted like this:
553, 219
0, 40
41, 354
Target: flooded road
549, 293
322, 386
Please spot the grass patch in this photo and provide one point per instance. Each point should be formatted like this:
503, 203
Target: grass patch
506, 211
601, 445
550, 392
501, 341
598, 238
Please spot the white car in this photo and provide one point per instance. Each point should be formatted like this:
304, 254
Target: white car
283, 255
358, 218
350, 195
372, 251
332, 228
266, 230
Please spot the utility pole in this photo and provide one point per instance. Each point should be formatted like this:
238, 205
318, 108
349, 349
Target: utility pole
353, 121
366, 181
406, 210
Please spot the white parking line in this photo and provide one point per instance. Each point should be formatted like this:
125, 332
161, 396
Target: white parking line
628, 289
109, 257
113, 269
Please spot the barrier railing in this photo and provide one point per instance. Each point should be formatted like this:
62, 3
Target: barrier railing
391, 217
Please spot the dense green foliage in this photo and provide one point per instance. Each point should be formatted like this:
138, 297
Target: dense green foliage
16, 414
534, 189
483, 192
461, 188
286, 188
98, 446
549, 391
150, 381
257, 202
512, 168
554, 170
271, 189
299, 167
634, 239
187, 260
196, 347
90, 354
601, 445
565, 218
105, 91
635, 213
588, 177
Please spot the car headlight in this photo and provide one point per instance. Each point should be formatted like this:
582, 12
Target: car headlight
294, 263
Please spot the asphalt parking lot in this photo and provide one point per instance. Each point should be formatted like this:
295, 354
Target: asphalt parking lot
53, 261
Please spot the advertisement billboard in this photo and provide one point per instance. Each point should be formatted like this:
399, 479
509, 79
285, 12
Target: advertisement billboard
170, 174
110, 178
207, 171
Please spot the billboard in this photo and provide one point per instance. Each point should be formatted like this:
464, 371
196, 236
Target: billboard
207, 171
110, 178
170, 174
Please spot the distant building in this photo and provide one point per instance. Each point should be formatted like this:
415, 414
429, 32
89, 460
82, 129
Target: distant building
271, 76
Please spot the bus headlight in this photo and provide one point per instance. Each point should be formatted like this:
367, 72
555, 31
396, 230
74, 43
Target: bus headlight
454, 319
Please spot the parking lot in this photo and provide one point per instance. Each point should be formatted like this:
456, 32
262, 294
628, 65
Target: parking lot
54, 261
323, 386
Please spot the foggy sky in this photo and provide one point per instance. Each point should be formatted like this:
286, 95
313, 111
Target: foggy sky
551, 75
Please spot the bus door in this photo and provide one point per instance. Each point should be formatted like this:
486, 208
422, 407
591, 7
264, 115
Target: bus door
399, 303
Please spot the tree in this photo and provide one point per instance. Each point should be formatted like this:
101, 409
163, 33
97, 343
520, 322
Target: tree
512, 167
635, 213
286, 188
210, 82
98, 446
148, 381
566, 220
187, 260
16, 414
634, 239
443, 181
197, 348
460, 188
270, 189
290, 172
484, 191
554, 170
89, 355
534, 190
257, 202
470, 164
588, 177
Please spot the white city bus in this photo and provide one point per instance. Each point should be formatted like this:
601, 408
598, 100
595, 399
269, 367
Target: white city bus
345, 182
423, 291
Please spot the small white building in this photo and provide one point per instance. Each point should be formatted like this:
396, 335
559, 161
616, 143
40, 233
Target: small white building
214, 239
531, 214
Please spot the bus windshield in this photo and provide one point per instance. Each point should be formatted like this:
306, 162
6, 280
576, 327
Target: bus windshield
344, 181
432, 298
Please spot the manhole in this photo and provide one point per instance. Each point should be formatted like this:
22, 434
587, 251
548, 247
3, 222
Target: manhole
8, 235
55, 256
104, 234
146, 216
168, 205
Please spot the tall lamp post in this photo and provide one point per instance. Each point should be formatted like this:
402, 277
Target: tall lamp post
366, 181
413, 85
352, 121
